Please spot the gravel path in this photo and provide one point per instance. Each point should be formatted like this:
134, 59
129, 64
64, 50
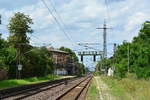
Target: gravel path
104, 91
49, 93
53, 93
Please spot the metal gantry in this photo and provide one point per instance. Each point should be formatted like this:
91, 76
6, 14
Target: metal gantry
102, 54
90, 53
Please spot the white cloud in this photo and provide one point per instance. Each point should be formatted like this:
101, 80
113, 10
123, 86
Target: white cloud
83, 17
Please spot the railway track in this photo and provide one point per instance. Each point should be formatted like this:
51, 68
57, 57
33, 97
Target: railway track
52, 90
77, 92
28, 90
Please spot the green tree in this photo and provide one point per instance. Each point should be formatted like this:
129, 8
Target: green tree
7, 57
139, 51
3, 45
80, 69
79, 66
18, 27
37, 62
72, 54
104, 64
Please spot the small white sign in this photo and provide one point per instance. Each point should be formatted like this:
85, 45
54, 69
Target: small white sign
110, 72
19, 67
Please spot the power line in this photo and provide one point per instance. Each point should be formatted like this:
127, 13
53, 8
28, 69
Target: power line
53, 6
59, 25
61, 20
42, 42
84, 45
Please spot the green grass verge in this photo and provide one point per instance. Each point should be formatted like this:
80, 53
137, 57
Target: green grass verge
92, 93
16, 82
128, 88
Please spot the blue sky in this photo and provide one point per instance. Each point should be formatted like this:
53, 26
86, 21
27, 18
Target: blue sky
81, 18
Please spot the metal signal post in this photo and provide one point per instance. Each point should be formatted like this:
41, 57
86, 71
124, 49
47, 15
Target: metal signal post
0, 19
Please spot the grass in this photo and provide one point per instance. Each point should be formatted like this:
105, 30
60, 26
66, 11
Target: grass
92, 93
16, 82
128, 88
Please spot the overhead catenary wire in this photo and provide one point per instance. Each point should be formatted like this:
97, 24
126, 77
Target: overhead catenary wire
39, 44
55, 10
59, 25
61, 21
42, 42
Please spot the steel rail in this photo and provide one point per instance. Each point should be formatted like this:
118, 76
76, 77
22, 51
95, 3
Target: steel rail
9, 92
80, 92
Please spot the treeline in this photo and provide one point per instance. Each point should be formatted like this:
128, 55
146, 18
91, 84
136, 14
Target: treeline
132, 57
36, 61
79, 66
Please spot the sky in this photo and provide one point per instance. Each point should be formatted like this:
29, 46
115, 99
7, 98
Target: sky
79, 19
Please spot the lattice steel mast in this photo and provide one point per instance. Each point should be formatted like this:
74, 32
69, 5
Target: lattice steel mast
104, 39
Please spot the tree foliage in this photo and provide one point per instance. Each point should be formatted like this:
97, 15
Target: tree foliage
139, 55
3, 45
72, 54
36, 61
79, 66
18, 27
81, 69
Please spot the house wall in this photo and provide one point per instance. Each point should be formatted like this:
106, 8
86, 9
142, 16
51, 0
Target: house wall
60, 71
3, 74
60, 58
63, 64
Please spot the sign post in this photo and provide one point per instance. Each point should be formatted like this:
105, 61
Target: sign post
19, 69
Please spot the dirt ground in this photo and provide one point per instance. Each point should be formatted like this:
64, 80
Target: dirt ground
104, 91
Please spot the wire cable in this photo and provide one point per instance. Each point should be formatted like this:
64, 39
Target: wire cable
53, 6
59, 25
